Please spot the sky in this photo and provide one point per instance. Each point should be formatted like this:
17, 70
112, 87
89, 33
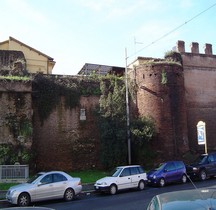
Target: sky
107, 32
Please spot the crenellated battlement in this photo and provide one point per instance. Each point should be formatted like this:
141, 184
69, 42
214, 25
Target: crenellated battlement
194, 60
194, 46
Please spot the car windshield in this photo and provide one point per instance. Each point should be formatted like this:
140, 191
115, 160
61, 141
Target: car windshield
160, 166
116, 172
32, 179
201, 159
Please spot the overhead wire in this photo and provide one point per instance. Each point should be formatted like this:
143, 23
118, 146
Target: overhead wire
173, 30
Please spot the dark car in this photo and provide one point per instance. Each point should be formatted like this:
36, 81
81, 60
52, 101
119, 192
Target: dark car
171, 171
197, 199
203, 167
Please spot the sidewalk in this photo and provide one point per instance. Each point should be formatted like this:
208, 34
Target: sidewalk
87, 189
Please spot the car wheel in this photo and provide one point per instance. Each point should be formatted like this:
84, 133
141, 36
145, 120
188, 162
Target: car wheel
113, 189
69, 194
141, 185
23, 199
162, 182
202, 175
184, 179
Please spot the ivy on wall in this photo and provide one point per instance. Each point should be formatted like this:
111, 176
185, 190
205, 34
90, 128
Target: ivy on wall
10, 154
48, 90
112, 126
173, 56
19, 126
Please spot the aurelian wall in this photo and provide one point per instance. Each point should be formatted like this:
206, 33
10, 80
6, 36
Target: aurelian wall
15, 111
161, 96
200, 83
68, 138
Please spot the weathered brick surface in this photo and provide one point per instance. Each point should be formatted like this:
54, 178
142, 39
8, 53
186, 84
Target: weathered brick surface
15, 106
200, 80
176, 97
64, 142
165, 103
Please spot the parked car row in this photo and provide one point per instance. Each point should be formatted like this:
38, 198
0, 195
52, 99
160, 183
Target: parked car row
58, 184
202, 168
167, 172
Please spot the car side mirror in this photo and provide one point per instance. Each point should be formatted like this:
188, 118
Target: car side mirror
39, 184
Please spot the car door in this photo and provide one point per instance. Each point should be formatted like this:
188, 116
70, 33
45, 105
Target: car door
180, 167
44, 189
135, 176
59, 185
210, 165
214, 166
124, 179
170, 172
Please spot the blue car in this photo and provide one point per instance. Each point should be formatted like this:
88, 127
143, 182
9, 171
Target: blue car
168, 172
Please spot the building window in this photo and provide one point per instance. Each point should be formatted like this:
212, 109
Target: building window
82, 114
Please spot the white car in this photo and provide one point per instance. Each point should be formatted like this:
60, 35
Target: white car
124, 177
45, 186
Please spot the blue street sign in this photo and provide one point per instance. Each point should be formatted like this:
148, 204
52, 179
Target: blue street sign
201, 134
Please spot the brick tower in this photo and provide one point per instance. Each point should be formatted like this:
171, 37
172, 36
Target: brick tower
161, 95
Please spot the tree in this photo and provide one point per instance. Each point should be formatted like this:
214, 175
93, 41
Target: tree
112, 123
142, 130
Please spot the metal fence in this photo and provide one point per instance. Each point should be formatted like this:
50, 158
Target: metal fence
14, 173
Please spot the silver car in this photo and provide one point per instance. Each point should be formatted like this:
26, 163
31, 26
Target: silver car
45, 186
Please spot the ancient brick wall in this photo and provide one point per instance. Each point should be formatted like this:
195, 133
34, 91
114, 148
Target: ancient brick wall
15, 110
63, 141
200, 79
161, 96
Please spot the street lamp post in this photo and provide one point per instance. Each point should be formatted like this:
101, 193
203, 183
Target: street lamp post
127, 110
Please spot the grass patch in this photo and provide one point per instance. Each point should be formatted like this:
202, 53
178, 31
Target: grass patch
6, 186
89, 176
25, 78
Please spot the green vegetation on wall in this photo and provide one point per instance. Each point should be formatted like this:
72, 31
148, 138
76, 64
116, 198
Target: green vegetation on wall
48, 91
11, 154
163, 77
173, 56
19, 126
112, 125
142, 132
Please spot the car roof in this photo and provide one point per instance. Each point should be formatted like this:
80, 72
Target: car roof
43, 172
128, 166
188, 199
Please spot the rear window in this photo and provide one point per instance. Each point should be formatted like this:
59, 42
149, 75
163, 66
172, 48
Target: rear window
179, 164
134, 170
141, 170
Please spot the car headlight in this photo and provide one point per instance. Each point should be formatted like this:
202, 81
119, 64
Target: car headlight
12, 192
103, 183
195, 169
154, 177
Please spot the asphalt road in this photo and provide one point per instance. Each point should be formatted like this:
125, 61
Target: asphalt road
125, 200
